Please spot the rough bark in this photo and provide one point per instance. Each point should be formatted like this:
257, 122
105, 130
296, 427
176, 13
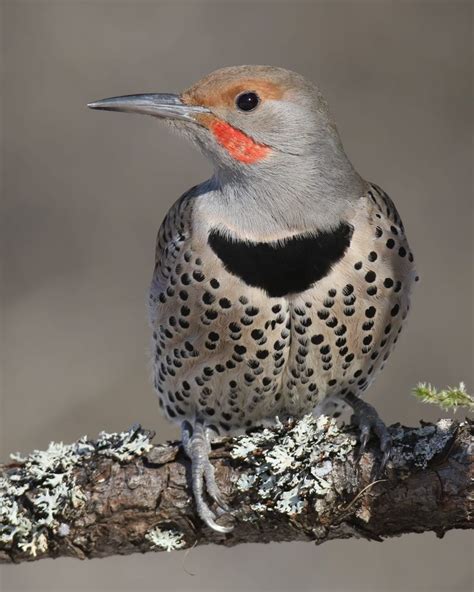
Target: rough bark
298, 481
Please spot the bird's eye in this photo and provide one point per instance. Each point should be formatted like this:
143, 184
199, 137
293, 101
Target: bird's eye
247, 101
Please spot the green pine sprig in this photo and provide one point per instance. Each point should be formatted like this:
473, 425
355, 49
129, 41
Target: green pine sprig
448, 398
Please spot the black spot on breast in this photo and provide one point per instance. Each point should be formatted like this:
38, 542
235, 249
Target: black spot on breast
198, 276
370, 276
211, 314
349, 300
208, 298
281, 269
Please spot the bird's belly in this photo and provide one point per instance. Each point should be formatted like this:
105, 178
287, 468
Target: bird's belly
220, 350
239, 362
340, 338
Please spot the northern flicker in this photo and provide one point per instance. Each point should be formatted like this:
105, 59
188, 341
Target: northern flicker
282, 282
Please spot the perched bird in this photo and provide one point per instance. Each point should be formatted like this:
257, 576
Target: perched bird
282, 282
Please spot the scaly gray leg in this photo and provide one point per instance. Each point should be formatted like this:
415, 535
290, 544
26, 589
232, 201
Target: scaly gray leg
367, 419
196, 442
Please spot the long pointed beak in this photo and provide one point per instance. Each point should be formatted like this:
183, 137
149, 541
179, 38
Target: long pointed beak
159, 105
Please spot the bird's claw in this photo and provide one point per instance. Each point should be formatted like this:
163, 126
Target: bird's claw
197, 447
209, 518
212, 487
364, 437
367, 420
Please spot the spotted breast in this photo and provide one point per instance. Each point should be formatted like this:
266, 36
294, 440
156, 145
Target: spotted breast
247, 331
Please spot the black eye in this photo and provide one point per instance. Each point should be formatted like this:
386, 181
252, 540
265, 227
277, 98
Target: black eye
247, 101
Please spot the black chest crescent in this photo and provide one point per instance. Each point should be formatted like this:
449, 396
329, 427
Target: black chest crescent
285, 267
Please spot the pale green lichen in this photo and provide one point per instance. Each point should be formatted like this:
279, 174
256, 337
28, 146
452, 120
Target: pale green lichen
123, 446
291, 502
40, 491
448, 398
248, 444
280, 470
296, 467
165, 539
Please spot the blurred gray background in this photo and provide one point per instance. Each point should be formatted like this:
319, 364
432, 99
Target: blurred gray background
84, 193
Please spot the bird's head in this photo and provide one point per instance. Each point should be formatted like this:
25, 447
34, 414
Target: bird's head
279, 162
243, 116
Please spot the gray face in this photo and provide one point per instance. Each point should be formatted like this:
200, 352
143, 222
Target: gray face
290, 114
287, 125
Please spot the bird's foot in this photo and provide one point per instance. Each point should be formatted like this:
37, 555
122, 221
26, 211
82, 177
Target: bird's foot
367, 420
197, 446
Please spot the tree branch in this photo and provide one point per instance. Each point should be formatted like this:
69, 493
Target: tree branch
298, 481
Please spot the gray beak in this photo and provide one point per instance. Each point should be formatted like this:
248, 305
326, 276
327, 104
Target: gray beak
158, 105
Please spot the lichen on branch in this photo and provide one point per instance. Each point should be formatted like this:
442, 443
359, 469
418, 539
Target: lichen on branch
301, 480
297, 470
39, 492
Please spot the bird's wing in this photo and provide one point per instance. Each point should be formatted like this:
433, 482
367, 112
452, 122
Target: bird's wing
173, 235
386, 205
